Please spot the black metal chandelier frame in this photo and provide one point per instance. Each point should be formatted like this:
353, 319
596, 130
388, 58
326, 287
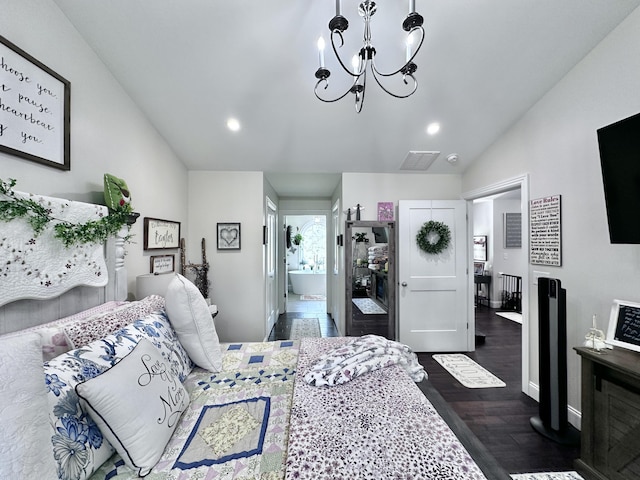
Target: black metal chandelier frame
366, 56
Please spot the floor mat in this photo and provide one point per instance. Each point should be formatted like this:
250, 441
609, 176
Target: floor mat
312, 297
513, 316
547, 476
304, 327
468, 372
368, 306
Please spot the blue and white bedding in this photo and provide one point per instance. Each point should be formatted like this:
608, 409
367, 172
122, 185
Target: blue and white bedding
259, 417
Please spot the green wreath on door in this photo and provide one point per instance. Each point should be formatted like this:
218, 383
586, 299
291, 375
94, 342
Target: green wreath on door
433, 237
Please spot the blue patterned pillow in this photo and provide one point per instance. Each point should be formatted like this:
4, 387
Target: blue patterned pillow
78, 445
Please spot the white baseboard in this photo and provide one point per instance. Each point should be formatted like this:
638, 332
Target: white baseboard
573, 415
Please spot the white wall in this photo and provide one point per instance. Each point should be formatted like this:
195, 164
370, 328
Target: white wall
237, 276
510, 261
556, 144
368, 189
109, 134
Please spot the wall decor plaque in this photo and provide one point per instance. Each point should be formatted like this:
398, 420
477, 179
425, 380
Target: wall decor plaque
161, 234
34, 109
545, 231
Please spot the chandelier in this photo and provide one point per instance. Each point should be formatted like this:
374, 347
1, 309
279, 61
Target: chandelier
365, 59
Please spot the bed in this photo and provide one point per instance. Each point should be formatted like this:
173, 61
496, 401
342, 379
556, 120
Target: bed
268, 410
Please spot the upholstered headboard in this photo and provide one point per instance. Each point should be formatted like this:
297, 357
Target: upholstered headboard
30, 311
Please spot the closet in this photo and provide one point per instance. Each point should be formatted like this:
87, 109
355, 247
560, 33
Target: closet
370, 277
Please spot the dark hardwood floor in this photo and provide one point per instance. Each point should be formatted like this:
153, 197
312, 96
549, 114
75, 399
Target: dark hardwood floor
498, 417
282, 328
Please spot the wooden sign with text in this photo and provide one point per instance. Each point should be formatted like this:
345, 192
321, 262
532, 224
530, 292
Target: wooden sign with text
34, 109
545, 231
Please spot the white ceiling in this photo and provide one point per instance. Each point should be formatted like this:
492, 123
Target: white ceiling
191, 64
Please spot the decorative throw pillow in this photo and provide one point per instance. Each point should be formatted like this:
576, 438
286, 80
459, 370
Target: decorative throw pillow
191, 319
25, 448
79, 447
137, 405
99, 326
52, 336
116, 193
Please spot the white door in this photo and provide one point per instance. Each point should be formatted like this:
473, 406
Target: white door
433, 289
271, 293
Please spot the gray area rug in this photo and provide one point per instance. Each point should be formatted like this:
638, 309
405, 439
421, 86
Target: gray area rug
547, 476
304, 327
368, 306
467, 372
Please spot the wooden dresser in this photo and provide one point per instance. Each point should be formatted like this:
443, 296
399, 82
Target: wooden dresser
610, 436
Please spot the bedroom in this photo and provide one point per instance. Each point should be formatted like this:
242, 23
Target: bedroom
553, 143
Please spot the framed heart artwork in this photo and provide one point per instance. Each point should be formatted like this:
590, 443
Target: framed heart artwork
228, 236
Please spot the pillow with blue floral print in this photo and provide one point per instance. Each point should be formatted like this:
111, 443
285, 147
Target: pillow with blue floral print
78, 446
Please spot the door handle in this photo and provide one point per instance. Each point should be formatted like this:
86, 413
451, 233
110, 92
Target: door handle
404, 284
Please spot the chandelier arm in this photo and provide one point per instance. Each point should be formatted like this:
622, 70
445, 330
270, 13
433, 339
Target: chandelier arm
327, 100
407, 63
413, 90
335, 51
359, 93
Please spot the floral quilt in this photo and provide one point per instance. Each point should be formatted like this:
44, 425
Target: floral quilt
236, 426
376, 426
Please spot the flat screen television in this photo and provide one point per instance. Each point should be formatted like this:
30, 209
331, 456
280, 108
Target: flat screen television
619, 145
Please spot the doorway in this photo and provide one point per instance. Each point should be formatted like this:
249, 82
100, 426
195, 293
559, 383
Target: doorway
503, 260
306, 263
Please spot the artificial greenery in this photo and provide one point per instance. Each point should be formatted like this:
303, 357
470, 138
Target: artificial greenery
94, 231
360, 237
297, 239
428, 232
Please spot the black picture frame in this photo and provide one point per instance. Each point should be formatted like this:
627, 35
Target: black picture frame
161, 234
228, 236
480, 248
163, 264
35, 111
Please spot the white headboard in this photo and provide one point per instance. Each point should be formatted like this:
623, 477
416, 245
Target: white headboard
22, 314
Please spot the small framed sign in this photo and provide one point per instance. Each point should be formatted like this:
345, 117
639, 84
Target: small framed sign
228, 236
624, 325
163, 264
480, 248
161, 234
385, 211
34, 109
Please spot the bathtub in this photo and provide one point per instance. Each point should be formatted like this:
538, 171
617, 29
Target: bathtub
305, 282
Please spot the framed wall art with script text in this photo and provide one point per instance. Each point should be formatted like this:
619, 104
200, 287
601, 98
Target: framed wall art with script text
34, 109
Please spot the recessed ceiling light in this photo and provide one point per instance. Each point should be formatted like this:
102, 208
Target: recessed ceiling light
233, 124
433, 128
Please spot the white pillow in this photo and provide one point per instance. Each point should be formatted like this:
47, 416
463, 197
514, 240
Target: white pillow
191, 319
25, 438
136, 404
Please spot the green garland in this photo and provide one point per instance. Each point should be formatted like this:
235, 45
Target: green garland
430, 229
94, 231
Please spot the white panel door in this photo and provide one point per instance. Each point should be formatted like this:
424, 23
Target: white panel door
433, 290
271, 286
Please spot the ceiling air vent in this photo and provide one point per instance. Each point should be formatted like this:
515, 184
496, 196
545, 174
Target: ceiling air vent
419, 161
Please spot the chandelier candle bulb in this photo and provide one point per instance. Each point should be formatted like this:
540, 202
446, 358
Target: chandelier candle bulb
338, 9
321, 51
412, 5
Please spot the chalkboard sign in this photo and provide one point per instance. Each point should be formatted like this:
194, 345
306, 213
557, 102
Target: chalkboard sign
624, 325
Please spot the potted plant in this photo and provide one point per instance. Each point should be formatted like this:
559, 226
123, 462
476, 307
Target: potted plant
297, 239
